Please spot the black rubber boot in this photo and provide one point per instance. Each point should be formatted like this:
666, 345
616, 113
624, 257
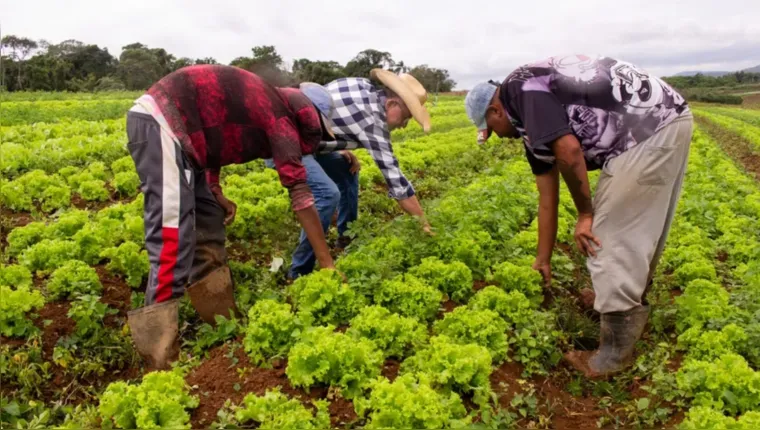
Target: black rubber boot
155, 332
618, 336
213, 295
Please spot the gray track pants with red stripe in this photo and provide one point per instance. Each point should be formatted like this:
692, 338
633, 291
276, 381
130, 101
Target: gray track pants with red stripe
184, 224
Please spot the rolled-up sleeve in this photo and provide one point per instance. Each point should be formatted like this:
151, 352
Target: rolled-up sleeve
286, 153
377, 140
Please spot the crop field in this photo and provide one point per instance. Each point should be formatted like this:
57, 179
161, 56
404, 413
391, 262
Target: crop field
450, 330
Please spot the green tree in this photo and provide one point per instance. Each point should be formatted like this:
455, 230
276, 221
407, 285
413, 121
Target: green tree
367, 60
321, 72
207, 60
139, 66
20, 48
434, 80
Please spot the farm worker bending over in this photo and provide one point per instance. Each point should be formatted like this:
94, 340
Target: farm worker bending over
181, 132
363, 117
579, 113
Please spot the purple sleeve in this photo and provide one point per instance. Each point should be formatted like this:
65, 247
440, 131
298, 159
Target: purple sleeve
543, 116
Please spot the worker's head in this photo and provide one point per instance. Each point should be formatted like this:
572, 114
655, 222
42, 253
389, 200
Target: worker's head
322, 100
405, 99
485, 110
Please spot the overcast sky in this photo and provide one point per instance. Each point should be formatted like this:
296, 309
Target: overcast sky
474, 40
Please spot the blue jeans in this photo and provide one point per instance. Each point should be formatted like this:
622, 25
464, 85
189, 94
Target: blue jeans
334, 187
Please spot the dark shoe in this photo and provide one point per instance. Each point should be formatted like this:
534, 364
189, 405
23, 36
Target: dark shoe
155, 332
213, 295
618, 336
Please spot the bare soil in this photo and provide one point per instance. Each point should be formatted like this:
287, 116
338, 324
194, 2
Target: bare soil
231, 375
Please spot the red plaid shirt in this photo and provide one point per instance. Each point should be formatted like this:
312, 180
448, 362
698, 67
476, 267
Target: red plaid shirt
225, 115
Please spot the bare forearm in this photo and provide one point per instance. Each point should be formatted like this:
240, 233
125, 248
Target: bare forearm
309, 220
572, 165
412, 207
547, 228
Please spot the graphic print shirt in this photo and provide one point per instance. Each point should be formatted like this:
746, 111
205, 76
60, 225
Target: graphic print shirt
609, 105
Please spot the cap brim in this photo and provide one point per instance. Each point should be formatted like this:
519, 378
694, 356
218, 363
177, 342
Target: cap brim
326, 129
392, 81
483, 135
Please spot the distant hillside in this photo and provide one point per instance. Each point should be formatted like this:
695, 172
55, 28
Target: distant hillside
716, 74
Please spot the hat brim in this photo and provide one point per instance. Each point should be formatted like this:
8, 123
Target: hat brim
392, 81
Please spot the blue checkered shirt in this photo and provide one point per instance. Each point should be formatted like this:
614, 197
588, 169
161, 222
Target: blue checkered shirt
359, 121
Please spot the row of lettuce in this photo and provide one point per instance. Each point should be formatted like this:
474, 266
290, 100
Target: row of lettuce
743, 122
713, 255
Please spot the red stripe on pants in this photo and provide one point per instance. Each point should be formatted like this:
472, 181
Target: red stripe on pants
166, 263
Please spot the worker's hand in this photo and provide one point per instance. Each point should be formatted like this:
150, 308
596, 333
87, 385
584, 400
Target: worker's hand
230, 208
427, 229
353, 162
545, 269
332, 267
584, 238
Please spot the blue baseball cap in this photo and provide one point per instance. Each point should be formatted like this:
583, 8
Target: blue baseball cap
322, 100
476, 104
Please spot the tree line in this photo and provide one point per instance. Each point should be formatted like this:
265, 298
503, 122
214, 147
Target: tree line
72, 65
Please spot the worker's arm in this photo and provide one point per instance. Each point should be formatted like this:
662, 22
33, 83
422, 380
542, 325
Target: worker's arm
571, 163
412, 206
286, 154
548, 202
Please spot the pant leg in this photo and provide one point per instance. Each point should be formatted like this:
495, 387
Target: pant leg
338, 169
166, 180
634, 205
210, 232
326, 198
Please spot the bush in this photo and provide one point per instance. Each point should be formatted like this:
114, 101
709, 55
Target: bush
395, 335
407, 403
158, 402
14, 306
524, 279
272, 330
464, 369
93, 191
325, 357
15, 276
513, 307
128, 260
48, 255
728, 99
727, 384
74, 278
454, 279
410, 297
481, 327
126, 183
275, 411
322, 298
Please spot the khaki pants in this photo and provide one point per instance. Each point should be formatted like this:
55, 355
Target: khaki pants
634, 205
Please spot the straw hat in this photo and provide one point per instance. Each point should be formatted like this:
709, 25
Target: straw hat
411, 92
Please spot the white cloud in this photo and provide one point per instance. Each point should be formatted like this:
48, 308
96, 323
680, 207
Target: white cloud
474, 40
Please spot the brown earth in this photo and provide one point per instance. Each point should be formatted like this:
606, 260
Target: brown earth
217, 378
737, 147
566, 411
391, 369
